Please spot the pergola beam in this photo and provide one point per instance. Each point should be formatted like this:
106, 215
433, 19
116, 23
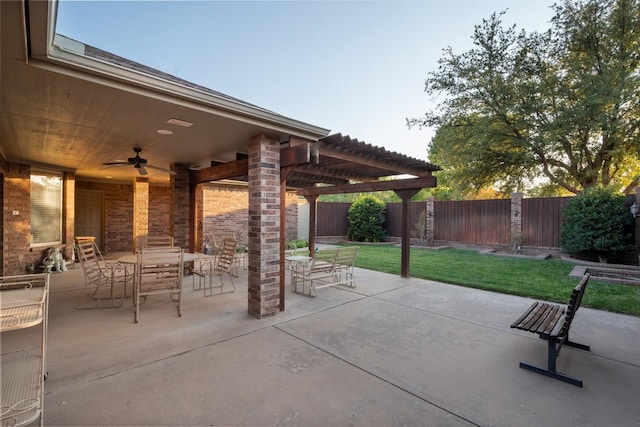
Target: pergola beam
366, 187
290, 156
328, 150
324, 172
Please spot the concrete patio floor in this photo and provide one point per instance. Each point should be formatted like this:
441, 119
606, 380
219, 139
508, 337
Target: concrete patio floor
392, 352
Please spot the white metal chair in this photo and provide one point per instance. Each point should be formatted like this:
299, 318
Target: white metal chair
202, 268
345, 263
159, 271
321, 268
92, 239
101, 275
222, 267
152, 241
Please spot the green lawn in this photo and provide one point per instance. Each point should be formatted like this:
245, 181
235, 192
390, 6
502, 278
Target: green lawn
540, 279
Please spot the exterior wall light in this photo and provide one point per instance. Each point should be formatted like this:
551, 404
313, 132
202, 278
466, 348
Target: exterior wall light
634, 209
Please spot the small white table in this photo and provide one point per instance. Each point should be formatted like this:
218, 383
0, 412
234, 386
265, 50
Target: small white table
297, 263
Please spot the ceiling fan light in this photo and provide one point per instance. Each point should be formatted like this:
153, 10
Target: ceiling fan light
179, 122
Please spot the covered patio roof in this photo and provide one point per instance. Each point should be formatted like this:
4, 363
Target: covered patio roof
70, 107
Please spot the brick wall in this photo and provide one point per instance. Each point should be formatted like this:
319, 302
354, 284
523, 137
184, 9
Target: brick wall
159, 203
179, 207
225, 213
118, 215
16, 230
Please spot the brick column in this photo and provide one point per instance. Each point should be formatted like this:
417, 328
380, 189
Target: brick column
264, 227
140, 209
68, 214
179, 209
198, 227
516, 222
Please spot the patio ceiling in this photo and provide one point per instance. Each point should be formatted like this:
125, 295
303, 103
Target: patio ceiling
70, 106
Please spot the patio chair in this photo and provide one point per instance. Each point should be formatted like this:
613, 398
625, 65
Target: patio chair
321, 269
159, 271
101, 275
345, 262
92, 239
222, 267
202, 267
157, 242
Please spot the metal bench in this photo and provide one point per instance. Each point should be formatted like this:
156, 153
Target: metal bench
552, 322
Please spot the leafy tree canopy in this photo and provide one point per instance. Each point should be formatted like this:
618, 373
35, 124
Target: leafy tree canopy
558, 111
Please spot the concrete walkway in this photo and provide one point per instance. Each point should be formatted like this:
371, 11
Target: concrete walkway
392, 352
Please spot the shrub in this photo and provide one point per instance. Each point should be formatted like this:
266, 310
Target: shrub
295, 244
596, 222
366, 219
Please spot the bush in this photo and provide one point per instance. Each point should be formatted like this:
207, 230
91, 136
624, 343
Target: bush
295, 244
596, 222
366, 219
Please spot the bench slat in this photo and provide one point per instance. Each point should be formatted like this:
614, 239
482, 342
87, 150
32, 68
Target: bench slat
540, 318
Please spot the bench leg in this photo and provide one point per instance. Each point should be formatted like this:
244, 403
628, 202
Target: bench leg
551, 372
576, 345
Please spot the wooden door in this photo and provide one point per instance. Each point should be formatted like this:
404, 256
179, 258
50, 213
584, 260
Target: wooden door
89, 219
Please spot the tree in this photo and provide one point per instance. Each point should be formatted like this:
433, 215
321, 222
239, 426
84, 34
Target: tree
559, 108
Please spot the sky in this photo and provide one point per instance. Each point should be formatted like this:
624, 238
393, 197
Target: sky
354, 67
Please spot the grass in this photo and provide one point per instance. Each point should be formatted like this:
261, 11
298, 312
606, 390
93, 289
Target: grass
538, 279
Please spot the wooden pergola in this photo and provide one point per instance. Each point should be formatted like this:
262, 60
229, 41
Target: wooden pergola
335, 164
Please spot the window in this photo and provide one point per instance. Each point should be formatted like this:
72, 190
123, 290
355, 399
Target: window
46, 208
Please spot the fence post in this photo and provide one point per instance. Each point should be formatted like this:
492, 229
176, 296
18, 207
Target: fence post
516, 222
637, 224
429, 212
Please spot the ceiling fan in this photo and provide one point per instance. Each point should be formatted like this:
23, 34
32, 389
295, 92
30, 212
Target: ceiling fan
138, 162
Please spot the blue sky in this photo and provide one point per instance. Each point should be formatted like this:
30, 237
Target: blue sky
355, 67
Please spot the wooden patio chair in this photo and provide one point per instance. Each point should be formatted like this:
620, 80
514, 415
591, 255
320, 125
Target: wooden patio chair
159, 271
101, 275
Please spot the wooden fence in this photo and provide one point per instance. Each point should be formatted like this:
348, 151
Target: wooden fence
481, 222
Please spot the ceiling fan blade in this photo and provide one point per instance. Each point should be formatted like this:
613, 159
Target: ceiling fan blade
141, 170
113, 166
161, 169
116, 162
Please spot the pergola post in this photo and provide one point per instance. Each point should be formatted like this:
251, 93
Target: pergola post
405, 195
284, 172
312, 222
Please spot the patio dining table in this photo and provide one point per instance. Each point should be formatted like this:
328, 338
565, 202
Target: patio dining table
132, 259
